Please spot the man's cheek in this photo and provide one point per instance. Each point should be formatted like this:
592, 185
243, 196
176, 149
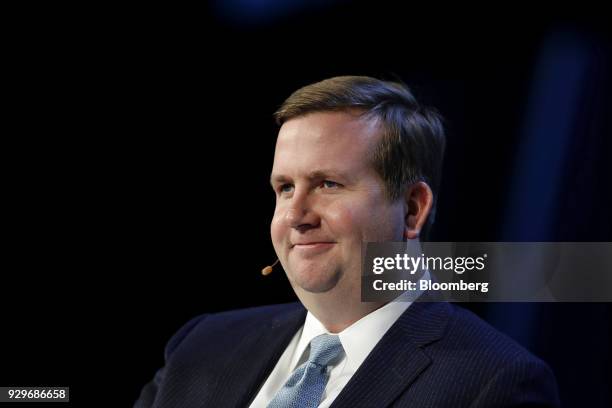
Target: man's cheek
276, 229
341, 221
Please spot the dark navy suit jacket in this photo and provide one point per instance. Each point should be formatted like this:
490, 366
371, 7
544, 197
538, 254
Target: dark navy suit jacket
435, 355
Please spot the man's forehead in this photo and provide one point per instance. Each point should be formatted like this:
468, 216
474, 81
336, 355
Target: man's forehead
324, 144
328, 133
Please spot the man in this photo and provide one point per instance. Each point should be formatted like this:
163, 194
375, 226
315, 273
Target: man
357, 160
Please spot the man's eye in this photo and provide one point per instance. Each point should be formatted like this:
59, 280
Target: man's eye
285, 188
330, 184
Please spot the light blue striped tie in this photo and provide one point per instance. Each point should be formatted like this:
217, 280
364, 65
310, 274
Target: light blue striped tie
306, 385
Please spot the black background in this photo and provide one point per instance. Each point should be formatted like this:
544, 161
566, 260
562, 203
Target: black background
138, 144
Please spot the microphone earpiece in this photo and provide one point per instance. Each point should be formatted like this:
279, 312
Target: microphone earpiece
268, 269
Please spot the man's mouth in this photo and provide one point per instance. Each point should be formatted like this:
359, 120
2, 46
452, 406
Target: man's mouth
311, 244
313, 247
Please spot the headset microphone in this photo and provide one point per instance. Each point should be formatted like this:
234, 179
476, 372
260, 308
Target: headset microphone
268, 269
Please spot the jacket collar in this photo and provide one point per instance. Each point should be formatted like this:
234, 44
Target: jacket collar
268, 344
398, 359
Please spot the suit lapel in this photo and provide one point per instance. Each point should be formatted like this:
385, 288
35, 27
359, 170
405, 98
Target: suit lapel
398, 359
256, 357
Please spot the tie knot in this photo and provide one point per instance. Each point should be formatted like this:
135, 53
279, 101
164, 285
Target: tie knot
324, 349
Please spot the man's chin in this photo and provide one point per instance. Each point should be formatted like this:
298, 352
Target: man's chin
314, 282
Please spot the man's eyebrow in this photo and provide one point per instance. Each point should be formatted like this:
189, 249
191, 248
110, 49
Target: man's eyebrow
313, 175
326, 173
277, 178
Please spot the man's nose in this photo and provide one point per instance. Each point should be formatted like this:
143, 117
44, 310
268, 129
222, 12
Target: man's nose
300, 214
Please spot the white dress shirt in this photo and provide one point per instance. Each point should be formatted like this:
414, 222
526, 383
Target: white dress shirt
358, 340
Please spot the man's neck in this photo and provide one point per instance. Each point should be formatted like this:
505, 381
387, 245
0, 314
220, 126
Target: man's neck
336, 312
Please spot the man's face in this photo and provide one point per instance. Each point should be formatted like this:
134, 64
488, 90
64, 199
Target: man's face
329, 200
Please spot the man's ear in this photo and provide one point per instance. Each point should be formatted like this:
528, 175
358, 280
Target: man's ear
419, 200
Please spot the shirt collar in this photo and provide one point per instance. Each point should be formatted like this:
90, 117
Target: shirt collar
360, 338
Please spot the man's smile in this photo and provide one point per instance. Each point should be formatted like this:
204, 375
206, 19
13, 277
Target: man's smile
313, 247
